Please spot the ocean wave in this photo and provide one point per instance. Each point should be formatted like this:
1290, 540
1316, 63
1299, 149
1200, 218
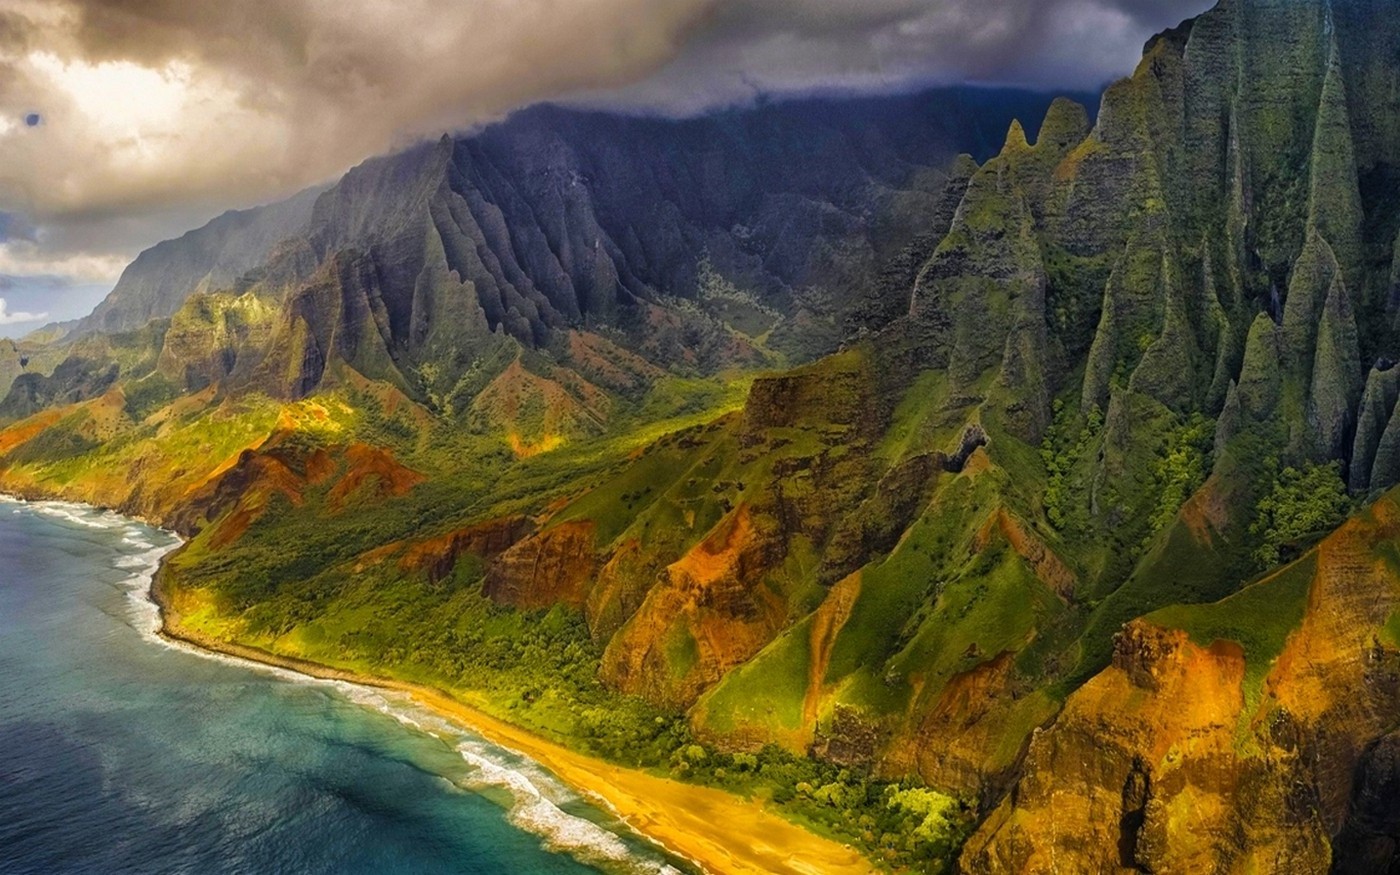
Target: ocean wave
535, 811
145, 613
536, 795
70, 512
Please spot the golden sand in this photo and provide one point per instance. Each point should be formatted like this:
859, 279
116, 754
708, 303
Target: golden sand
718, 831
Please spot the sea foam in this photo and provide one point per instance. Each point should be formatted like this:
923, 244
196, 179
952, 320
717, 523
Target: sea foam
537, 798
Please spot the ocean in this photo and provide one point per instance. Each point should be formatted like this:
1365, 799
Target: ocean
121, 752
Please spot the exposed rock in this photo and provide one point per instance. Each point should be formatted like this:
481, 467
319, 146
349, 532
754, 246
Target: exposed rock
1134, 305
210, 333
1377, 406
1172, 760
556, 566
1261, 375
1334, 199
1168, 368
1336, 377
838, 394
1370, 842
1313, 275
438, 556
157, 283
709, 614
76, 379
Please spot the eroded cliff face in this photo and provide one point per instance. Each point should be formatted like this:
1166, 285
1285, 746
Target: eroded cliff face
1193, 753
555, 567
1211, 259
999, 541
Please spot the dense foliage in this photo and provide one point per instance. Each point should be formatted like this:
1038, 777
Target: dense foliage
1304, 503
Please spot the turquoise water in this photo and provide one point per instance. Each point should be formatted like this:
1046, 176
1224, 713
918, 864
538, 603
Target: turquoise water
122, 753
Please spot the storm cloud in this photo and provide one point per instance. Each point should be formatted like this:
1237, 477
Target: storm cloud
122, 121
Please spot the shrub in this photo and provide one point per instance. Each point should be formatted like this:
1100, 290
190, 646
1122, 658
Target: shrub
1304, 503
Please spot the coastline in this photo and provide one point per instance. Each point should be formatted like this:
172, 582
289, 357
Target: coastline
718, 832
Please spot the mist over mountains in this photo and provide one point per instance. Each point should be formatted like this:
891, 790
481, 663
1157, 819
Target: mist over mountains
1034, 460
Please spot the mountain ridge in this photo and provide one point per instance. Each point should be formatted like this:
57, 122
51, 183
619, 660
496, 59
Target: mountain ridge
911, 484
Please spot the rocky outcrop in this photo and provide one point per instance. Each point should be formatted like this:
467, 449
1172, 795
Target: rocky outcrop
556, 566
1377, 406
707, 615
210, 334
980, 301
557, 219
836, 394
1334, 197
911, 556
76, 379
1192, 752
1336, 377
208, 259
538, 413
1370, 841
437, 557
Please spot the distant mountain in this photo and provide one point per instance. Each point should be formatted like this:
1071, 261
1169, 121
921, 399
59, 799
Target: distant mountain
783, 450
772, 217
207, 259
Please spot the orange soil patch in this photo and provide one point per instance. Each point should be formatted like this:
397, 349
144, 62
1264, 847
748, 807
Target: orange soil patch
439, 555
827, 623
226, 465
267, 475
1049, 568
380, 555
524, 449
977, 463
715, 557
27, 430
1206, 512
365, 464
396, 403
518, 394
1171, 688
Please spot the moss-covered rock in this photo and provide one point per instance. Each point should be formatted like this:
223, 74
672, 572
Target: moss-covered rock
1336, 378
1261, 375
1334, 198
1377, 405
1312, 278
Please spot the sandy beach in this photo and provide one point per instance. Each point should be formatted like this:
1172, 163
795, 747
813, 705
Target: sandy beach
718, 831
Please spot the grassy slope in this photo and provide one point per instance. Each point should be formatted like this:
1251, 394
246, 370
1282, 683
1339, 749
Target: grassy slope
299, 563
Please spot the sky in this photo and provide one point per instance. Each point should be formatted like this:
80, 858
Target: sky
125, 122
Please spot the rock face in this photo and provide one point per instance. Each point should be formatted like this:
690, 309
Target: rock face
1182, 757
211, 258
1006, 537
555, 567
209, 335
557, 219
711, 600
1370, 842
439, 556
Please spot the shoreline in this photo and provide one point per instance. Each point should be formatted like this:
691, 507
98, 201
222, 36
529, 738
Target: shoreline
691, 822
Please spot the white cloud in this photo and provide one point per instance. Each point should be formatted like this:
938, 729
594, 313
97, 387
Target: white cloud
8, 318
34, 258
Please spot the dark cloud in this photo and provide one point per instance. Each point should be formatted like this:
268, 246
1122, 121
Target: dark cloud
793, 45
157, 111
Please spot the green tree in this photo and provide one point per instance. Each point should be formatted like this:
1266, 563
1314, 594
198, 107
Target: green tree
1304, 502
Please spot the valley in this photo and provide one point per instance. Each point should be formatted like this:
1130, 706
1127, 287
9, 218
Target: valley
982, 481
